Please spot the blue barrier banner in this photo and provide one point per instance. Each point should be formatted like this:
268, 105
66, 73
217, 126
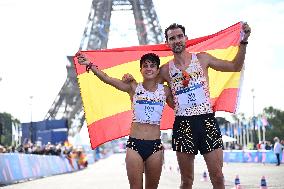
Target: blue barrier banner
16, 166
251, 156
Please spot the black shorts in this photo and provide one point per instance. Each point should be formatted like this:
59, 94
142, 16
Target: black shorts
197, 132
145, 148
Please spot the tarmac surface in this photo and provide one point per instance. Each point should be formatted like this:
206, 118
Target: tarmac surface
110, 173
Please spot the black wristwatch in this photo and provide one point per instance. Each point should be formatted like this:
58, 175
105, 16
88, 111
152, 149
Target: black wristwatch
244, 42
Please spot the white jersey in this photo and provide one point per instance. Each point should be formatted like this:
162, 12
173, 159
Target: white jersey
193, 99
148, 106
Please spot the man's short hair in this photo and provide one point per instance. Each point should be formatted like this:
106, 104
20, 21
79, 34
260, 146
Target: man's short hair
172, 27
152, 57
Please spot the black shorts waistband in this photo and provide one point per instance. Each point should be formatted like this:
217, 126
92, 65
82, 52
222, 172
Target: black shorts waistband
138, 139
196, 116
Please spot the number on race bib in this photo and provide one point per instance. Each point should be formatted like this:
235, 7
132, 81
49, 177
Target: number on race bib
149, 111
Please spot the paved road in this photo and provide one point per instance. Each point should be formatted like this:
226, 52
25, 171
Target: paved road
110, 174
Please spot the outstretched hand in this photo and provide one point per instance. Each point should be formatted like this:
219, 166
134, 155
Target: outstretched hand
82, 59
247, 30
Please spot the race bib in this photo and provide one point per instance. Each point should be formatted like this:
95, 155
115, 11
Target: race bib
191, 96
148, 111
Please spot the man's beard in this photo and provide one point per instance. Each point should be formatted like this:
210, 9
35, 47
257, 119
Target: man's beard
178, 48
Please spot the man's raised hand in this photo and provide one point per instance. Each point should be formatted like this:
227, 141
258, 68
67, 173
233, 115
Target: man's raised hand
82, 59
247, 30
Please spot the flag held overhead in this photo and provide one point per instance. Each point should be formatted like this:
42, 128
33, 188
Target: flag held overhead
108, 111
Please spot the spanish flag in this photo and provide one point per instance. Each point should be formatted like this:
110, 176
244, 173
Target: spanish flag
108, 111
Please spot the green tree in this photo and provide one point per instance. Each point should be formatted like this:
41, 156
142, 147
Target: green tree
6, 122
275, 118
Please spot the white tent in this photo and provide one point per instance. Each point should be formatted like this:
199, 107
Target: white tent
81, 138
226, 138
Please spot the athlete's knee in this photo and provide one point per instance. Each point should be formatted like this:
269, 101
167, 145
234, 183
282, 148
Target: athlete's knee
135, 185
187, 180
151, 185
216, 177
186, 184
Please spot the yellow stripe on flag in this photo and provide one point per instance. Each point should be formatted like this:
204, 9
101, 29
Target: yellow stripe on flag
95, 93
224, 54
229, 79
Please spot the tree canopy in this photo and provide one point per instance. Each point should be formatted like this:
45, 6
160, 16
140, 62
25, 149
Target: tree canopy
275, 118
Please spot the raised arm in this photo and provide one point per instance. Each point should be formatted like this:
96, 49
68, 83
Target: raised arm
117, 83
228, 66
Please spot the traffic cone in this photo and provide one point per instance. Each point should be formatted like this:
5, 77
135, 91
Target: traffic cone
263, 184
204, 176
237, 183
237, 180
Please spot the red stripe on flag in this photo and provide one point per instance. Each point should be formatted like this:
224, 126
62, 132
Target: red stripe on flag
168, 118
110, 128
118, 126
109, 59
227, 100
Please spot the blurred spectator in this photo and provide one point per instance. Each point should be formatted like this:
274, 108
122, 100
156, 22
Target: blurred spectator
69, 155
262, 145
82, 158
2, 149
258, 146
277, 149
232, 146
268, 145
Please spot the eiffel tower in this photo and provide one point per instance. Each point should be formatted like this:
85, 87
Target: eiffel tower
68, 103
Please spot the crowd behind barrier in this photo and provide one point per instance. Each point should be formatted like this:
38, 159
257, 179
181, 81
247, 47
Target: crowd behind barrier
30, 161
16, 167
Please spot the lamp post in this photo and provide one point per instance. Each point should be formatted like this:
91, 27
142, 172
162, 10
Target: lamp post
254, 119
1, 130
253, 97
31, 125
1, 125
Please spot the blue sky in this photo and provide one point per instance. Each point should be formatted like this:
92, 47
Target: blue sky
36, 36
